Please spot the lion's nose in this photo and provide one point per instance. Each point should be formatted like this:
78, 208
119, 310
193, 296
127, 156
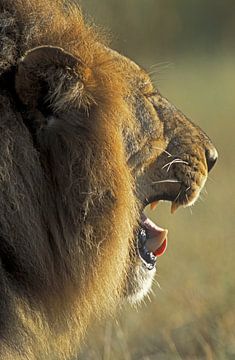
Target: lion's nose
211, 156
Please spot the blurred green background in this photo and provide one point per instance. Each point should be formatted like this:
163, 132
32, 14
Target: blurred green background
189, 48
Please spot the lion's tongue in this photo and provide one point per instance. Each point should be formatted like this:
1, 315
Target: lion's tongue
157, 237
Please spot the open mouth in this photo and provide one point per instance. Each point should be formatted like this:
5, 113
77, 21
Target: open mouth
152, 239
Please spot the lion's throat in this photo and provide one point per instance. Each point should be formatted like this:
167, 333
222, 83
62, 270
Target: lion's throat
156, 241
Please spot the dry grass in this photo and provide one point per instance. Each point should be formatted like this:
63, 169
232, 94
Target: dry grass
192, 314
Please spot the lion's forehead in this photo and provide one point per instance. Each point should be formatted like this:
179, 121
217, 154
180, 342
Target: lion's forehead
134, 73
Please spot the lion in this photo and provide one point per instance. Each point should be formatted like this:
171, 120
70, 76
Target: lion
87, 143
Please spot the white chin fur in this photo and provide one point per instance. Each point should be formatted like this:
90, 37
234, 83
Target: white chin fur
141, 282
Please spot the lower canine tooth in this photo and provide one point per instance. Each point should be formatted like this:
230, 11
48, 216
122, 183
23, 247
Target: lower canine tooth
174, 207
153, 205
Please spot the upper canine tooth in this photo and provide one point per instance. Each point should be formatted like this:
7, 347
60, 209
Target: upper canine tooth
174, 207
153, 205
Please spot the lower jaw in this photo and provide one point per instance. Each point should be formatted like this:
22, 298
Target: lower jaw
151, 242
140, 283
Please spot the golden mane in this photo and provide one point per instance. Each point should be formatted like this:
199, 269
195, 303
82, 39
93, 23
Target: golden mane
85, 145
87, 207
57, 23
27, 24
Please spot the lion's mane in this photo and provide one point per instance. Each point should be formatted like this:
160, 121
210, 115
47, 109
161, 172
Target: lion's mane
67, 208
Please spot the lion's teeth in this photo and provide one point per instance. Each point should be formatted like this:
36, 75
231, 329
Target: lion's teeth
174, 207
153, 205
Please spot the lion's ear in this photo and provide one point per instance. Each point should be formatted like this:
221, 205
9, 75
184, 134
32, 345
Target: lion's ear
48, 74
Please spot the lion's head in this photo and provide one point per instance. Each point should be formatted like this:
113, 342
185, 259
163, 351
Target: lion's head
169, 159
87, 144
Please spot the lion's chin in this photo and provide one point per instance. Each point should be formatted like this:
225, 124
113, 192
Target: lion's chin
151, 243
140, 284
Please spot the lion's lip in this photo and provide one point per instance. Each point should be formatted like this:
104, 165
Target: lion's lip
152, 241
156, 239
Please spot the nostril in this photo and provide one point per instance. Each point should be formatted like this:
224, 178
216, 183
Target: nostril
211, 157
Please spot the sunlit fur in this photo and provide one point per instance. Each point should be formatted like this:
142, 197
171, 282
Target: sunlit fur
85, 142
68, 213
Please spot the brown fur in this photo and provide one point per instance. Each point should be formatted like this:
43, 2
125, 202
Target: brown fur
58, 208
85, 142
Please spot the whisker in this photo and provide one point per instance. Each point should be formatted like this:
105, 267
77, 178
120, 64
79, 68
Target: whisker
166, 181
201, 198
211, 179
155, 281
178, 195
165, 151
187, 197
168, 165
168, 153
159, 68
189, 207
160, 64
180, 192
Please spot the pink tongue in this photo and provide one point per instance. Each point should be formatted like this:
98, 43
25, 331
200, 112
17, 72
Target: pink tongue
157, 237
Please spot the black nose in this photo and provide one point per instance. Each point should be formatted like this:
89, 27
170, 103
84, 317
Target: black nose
211, 157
